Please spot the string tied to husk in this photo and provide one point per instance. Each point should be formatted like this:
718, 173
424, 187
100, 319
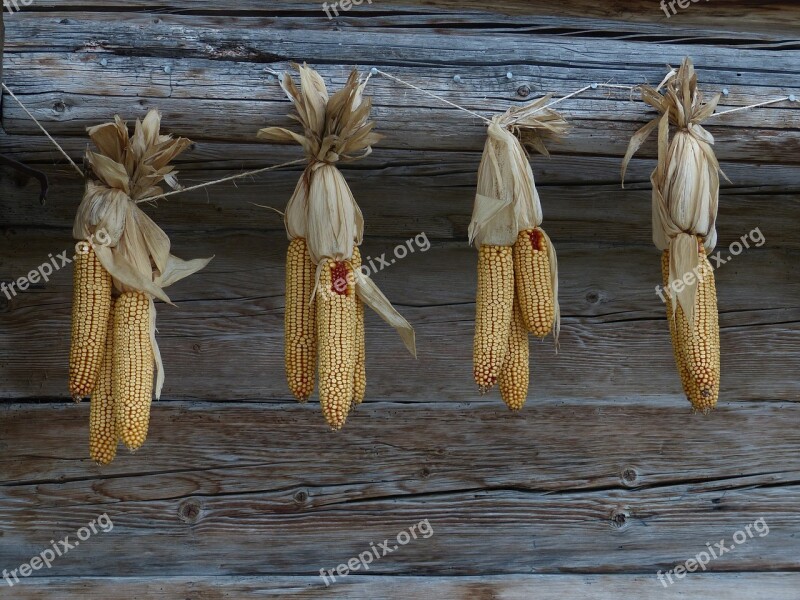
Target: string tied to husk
506, 199
685, 181
125, 170
322, 210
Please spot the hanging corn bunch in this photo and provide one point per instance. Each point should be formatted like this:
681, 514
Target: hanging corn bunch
326, 287
685, 199
123, 262
517, 267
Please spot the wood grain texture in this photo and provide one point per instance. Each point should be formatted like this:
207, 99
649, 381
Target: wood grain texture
740, 586
604, 478
216, 74
749, 586
214, 485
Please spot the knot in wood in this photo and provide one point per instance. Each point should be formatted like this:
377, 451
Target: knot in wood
189, 511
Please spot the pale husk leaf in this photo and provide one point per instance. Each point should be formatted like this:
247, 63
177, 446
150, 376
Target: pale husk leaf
372, 296
295, 218
506, 199
554, 283
334, 220
494, 215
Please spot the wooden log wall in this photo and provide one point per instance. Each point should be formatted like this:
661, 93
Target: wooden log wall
604, 479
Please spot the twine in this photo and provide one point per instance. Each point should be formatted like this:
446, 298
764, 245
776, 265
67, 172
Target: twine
81, 174
223, 180
55, 143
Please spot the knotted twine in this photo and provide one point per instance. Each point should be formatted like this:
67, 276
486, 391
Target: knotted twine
322, 208
128, 243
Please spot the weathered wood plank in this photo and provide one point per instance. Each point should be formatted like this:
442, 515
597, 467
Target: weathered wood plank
442, 168
739, 586
211, 486
397, 449
768, 18
580, 481
403, 201
33, 73
598, 123
232, 314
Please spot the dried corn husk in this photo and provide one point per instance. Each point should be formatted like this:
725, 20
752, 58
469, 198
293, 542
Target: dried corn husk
507, 201
506, 204
322, 209
123, 171
686, 180
685, 199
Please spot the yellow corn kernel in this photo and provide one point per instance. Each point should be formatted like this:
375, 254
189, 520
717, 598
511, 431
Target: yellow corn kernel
336, 338
493, 311
91, 302
677, 344
102, 427
133, 366
698, 347
300, 328
360, 383
701, 342
534, 281
515, 374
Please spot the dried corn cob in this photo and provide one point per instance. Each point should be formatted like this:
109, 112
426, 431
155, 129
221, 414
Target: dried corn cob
132, 368
300, 351
696, 346
336, 338
515, 374
685, 201
102, 427
322, 210
360, 382
91, 302
677, 346
494, 309
534, 281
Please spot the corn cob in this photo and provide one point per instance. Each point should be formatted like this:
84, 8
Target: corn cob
677, 345
534, 281
91, 303
515, 374
300, 351
102, 427
336, 338
494, 309
132, 368
697, 348
360, 383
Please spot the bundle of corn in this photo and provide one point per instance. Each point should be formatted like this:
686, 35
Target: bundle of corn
685, 199
517, 266
121, 252
326, 285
